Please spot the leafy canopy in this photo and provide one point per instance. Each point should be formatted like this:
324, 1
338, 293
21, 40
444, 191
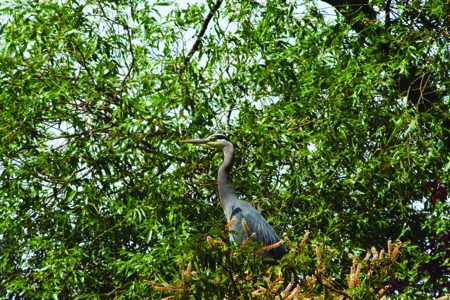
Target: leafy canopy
339, 124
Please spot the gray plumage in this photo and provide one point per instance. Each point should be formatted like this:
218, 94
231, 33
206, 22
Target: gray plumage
234, 207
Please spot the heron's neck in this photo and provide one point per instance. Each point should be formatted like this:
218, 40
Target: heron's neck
226, 191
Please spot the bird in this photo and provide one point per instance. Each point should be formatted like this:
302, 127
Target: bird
258, 227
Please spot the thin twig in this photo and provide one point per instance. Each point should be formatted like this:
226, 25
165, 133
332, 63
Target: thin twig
339, 292
103, 234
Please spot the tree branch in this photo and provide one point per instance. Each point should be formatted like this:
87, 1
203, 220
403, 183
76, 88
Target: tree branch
354, 6
203, 30
334, 290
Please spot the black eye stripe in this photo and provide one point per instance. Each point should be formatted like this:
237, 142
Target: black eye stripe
220, 137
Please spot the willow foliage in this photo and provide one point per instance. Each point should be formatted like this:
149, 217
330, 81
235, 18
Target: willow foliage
339, 126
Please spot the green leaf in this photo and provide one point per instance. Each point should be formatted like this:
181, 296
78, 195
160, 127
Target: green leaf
216, 231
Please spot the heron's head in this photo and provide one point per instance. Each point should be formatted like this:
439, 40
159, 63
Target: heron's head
215, 141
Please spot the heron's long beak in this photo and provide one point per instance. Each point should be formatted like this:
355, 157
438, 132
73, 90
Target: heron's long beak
200, 141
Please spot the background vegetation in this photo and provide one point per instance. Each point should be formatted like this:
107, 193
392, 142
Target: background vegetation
341, 126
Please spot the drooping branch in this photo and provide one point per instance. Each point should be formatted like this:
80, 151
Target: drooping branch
203, 30
351, 8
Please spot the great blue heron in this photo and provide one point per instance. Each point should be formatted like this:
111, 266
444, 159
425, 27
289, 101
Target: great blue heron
260, 230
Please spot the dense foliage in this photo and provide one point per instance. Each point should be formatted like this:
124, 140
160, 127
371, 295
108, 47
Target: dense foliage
341, 126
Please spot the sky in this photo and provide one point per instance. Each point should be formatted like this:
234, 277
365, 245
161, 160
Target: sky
327, 9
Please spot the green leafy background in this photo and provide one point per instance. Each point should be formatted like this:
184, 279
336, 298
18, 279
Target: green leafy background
338, 125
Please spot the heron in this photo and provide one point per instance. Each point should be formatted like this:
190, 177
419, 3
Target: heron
260, 230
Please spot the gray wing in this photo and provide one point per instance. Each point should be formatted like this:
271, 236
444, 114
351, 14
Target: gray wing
258, 225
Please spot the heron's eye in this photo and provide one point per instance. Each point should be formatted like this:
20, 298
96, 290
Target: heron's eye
212, 139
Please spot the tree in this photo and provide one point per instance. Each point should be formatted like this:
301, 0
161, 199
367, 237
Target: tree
340, 124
